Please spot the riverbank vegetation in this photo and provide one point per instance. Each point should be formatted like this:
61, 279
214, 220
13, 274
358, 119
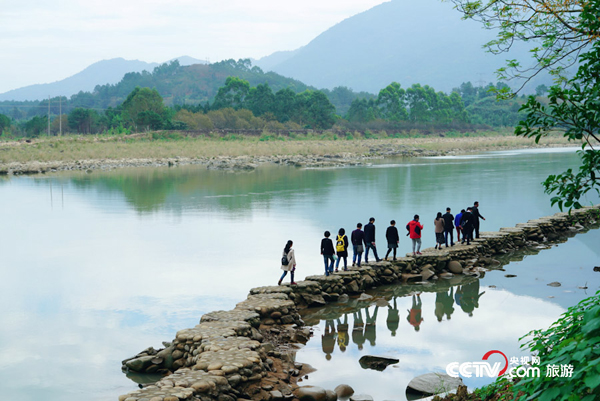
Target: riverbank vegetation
235, 95
169, 144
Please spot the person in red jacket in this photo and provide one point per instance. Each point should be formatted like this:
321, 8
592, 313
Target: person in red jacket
414, 231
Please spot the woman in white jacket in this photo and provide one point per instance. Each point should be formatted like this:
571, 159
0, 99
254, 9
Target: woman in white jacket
288, 252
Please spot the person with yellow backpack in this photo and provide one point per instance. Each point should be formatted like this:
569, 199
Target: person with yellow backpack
341, 248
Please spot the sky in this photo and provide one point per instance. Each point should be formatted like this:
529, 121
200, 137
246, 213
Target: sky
45, 41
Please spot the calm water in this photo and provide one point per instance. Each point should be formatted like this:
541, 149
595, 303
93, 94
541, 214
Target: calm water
96, 267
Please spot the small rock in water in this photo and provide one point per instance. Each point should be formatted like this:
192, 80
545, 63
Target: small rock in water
365, 297
597, 268
492, 286
433, 383
311, 393
554, 284
583, 288
376, 362
344, 391
510, 275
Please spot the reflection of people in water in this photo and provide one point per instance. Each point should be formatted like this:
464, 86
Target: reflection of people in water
444, 304
358, 337
470, 297
370, 327
328, 339
393, 318
342, 337
414, 314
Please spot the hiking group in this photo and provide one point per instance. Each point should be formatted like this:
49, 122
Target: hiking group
466, 222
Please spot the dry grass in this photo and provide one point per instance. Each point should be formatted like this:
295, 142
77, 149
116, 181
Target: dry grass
73, 148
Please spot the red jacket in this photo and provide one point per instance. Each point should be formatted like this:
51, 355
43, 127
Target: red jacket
412, 229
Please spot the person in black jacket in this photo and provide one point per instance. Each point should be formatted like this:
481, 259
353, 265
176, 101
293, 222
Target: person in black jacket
393, 239
327, 251
476, 217
466, 222
448, 227
370, 240
358, 239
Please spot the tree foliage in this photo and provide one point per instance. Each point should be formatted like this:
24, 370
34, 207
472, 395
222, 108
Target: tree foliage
560, 29
566, 33
575, 111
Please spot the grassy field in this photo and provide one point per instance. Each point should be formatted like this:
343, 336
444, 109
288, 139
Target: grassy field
169, 145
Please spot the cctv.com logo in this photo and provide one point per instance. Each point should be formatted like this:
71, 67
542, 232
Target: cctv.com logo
486, 369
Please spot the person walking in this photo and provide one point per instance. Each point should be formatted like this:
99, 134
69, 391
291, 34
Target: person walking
466, 222
341, 247
289, 257
476, 217
327, 251
358, 239
457, 220
393, 239
439, 230
370, 240
448, 227
414, 231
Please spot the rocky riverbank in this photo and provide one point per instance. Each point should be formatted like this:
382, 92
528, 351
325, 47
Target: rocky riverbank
316, 154
248, 352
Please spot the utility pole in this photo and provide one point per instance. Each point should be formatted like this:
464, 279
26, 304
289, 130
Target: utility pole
48, 115
60, 116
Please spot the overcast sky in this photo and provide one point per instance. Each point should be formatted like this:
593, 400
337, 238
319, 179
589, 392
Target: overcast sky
44, 41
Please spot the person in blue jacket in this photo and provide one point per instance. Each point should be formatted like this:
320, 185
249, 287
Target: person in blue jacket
457, 224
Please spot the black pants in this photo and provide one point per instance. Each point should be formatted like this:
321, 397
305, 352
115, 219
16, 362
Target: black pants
451, 233
467, 234
476, 227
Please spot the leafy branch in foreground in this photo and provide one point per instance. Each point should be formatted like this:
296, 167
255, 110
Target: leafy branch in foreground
574, 110
561, 29
574, 339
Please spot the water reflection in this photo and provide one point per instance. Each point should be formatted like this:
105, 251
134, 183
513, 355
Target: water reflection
364, 315
467, 297
96, 267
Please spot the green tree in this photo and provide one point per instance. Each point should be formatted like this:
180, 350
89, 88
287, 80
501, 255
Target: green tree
233, 94
260, 100
285, 104
4, 123
392, 102
541, 90
314, 110
83, 121
36, 126
143, 108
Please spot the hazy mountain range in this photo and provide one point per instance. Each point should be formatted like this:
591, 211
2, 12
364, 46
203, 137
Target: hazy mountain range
100, 73
406, 41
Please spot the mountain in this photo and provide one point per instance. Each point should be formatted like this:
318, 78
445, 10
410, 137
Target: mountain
100, 73
406, 41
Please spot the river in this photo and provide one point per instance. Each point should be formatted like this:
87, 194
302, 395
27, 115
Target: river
96, 267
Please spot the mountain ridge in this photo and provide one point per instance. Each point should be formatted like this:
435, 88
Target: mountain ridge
102, 72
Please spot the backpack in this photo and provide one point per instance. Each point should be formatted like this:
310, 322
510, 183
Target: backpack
284, 260
340, 245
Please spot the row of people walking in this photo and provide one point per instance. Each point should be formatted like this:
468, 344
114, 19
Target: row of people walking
363, 241
466, 222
